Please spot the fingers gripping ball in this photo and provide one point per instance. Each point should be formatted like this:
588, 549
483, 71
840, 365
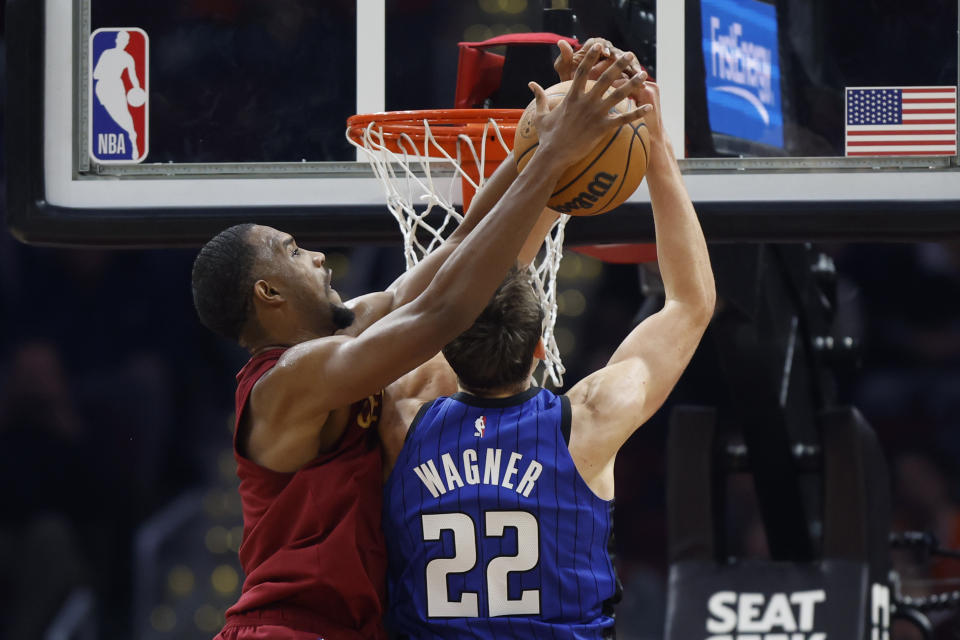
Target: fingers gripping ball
602, 180
136, 97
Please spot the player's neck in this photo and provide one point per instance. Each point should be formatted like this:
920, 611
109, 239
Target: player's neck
505, 392
283, 340
267, 346
283, 331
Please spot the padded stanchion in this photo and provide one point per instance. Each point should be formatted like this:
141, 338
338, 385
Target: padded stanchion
764, 600
856, 505
842, 593
856, 492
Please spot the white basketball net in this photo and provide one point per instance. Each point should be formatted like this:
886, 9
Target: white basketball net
412, 196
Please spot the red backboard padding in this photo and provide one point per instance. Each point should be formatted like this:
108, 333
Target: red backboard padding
479, 71
620, 253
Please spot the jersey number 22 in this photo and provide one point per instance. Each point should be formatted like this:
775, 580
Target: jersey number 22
464, 559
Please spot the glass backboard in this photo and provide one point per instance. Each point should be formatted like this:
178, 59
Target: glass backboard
794, 119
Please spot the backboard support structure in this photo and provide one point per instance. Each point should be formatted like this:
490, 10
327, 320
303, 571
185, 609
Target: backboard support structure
171, 200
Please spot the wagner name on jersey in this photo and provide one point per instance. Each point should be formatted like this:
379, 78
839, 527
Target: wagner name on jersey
491, 531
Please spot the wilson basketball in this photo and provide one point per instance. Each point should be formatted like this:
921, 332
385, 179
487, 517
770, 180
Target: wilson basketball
606, 176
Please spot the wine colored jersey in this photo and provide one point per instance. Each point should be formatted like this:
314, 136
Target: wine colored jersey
313, 550
492, 532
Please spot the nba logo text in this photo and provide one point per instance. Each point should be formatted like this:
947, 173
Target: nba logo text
119, 95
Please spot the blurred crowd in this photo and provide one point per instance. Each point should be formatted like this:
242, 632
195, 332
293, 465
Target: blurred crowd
113, 401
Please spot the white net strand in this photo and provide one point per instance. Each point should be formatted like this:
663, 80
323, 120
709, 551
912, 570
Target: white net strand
544, 271
403, 187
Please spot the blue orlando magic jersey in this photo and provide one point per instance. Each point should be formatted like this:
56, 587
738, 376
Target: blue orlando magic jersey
491, 531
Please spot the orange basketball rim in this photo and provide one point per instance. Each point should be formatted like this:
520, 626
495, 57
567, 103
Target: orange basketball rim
443, 133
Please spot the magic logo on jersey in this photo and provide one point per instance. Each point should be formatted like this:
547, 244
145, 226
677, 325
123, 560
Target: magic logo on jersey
119, 95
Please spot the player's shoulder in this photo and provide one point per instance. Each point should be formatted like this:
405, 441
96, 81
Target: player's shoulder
312, 348
300, 365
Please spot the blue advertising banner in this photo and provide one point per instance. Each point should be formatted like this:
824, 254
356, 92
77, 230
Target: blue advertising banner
742, 70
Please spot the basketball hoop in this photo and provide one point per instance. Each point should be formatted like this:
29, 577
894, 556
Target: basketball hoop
408, 150
473, 138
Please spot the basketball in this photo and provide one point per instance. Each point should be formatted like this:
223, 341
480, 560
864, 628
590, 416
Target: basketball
606, 176
136, 97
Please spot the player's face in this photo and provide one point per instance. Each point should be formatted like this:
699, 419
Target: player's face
307, 280
123, 38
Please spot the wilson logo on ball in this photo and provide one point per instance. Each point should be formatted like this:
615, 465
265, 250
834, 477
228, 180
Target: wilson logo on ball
595, 190
604, 177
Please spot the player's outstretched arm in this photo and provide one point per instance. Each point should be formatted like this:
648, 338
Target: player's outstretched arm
320, 375
408, 286
373, 306
609, 405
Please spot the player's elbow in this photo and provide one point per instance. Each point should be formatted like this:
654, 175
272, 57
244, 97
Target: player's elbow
699, 302
707, 303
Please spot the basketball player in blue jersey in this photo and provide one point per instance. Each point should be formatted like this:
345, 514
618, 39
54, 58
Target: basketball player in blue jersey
498, 500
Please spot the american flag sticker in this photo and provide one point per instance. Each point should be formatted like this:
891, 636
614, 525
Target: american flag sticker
901, 121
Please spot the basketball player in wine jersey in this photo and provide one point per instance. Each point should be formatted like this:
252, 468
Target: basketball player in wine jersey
498, 501
309, 398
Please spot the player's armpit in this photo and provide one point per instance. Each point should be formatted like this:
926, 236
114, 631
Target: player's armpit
283, 446
403, 399
607, 407
285, 414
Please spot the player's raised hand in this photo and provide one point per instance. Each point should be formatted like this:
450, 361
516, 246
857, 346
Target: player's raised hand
648, 94
583, 116
568, 60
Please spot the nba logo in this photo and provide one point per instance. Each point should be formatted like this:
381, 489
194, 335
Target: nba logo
119, 93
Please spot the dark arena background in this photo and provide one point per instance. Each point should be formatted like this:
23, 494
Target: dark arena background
812, 445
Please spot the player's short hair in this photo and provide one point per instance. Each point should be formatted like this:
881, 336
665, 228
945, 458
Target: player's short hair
222, 281
497, 351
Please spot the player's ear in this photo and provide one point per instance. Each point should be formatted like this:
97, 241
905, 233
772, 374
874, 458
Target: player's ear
266, 294
540, 351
